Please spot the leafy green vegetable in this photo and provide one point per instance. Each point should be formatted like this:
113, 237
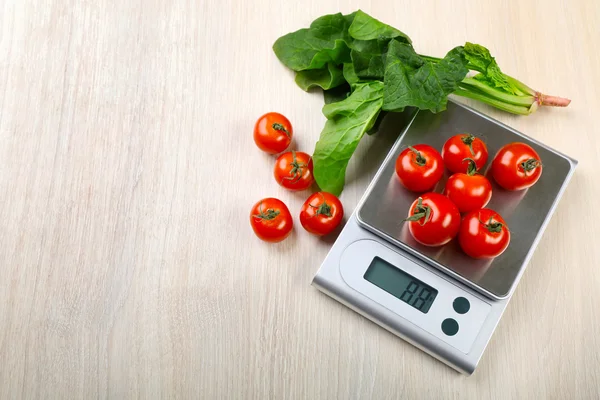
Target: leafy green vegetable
365, 27
312, 48
338, 93
326, 78
350, 74
368, 58
347, 122
365, 66
412, 81
481, 60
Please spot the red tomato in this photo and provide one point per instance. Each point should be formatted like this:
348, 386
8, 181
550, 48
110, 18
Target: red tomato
433, 219
271, 220
294, 170
419, 167
483, 234
321, 213
273, 133
470, 191
462, 146
516, 166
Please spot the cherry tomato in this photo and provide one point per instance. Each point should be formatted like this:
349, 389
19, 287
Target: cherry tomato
516, 166
419, 167
470, 191
459, 147
433, 219
294, 170
321, 213
483, 234
273, 133
271, 220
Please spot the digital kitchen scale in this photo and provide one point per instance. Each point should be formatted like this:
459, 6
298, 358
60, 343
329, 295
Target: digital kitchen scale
439, 299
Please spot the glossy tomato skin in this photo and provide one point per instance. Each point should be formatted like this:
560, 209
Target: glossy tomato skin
321, 213
419, 167
273, 133
271, 220
468, 192
510, 167
457, 148
294, 170
479, 238
443, 223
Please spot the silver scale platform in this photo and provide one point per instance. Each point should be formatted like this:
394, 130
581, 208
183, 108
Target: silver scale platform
469, 296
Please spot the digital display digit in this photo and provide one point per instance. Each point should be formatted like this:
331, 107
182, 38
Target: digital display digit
401, 285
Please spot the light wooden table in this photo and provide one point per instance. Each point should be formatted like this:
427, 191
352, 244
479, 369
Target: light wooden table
128, 268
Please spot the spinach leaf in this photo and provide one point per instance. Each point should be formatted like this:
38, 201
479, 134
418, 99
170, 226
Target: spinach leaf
326, 78
312, 48
368, 58
481, 60
338, 93
347, 122
365, 27
350, 74
413, 81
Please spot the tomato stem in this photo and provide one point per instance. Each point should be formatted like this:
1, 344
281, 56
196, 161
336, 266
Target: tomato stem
296, 170
530, 165
420, 160
472, 168
278, 127
493, 226
267, 215
420, 211
323, 209
468, 140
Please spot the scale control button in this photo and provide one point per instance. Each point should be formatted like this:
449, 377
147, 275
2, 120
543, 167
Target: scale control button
450, 326
461, 305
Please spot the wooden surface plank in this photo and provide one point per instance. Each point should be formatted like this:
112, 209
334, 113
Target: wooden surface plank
127, 172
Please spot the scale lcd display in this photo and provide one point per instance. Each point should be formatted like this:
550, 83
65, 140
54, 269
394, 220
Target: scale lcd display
401, 285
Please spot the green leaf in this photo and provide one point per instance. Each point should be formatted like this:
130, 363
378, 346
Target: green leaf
312, 48
347, 122
368, 58
481, 60
326, 78
365, 27
338, 93
375, 128
350, 74
412, 81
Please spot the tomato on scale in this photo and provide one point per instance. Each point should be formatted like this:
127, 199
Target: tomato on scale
321, 213
516, 166
271, 220
294, 170
419, 167
469, 191
460, 147
433, 220
483, 234
273, 133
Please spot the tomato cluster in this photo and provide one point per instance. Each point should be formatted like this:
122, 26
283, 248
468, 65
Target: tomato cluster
270, 218
435, 219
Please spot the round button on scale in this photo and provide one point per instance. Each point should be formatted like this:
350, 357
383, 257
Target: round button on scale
450, 326
461, 305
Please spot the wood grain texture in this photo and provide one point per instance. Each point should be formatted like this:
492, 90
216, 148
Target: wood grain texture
127, 171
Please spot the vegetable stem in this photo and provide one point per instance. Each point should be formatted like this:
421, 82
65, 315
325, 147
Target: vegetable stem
470, 66
421, 161
520, 85
493, 102
525, 101
554, 101
430, 58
